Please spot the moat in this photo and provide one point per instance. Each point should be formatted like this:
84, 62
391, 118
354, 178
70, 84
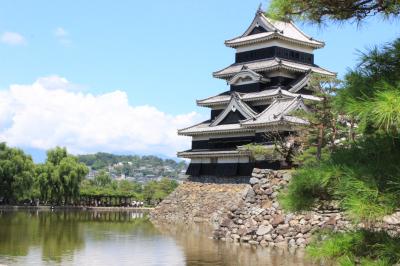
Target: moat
120, 238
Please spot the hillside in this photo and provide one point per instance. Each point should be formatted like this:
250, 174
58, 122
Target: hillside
134, 167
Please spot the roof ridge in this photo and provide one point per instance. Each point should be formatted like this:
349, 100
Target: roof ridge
179, 130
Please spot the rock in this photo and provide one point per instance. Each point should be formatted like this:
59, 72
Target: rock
278, 219
226, 223
268, 238
268, 191
300, 241
245, 238
292, 242
275, 205
282, 229
264, 229
263, 243
331, 220
243, 231
392, 219
253, 242
250, 196
279, 239
254, 180
235, 236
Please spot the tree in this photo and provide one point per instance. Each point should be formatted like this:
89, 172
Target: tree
102, 179
16, 174
60, 176
155, 191
343, 10
362, 176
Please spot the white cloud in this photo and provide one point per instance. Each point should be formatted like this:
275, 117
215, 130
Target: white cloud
12, 38
46, 113
60, 32
62, 36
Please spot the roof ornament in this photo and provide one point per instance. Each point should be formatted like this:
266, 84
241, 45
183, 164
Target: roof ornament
259, 9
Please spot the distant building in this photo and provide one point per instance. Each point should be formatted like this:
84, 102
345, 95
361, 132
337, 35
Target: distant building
269, 80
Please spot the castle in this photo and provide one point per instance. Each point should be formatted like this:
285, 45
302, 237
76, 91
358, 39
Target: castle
268, 81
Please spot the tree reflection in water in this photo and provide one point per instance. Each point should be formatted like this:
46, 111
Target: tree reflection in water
59, 234
120, 238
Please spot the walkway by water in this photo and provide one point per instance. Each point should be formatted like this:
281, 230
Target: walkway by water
119, 238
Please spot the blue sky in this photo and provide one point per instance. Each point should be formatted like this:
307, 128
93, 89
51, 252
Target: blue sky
158, 54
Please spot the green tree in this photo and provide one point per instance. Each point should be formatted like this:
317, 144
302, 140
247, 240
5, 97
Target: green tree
362, 176
60, 176
16, 174
155, 191
320, 10
102, 179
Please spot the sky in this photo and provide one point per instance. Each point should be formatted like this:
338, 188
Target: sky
122, 76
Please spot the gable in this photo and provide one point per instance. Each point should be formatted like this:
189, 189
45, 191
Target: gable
232, 118
256, 30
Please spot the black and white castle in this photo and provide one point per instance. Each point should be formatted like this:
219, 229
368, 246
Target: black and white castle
268, 81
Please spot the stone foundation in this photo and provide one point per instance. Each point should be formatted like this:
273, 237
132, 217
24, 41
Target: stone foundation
200, 202
250, 213
259, 219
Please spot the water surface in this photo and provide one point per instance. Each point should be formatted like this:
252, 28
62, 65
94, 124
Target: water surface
120, 238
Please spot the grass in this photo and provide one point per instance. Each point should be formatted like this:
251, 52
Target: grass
355, 248
364, 178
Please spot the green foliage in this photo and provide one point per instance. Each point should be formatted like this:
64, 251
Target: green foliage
319, 10
381, 113
16, 174
130, 164
262, 151
59, 178
365, 182
102, 179
152, 192
155, 191
371, 248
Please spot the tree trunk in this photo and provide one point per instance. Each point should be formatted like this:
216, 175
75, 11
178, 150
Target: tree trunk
320, 141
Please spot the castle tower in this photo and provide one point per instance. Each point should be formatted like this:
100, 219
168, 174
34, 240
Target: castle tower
268, 81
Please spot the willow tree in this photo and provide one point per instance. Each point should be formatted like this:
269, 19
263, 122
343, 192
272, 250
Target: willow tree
60, 176
16, 174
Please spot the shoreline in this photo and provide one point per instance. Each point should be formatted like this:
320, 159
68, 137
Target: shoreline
82, 208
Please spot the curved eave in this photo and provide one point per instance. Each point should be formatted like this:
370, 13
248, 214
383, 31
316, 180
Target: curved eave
214, 132
277, 123
271, 68
259, 99
233, 44
203, 154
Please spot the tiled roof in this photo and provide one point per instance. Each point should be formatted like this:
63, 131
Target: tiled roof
278, 113
300, 83
211, 153
206, 128
275, 29
253, 96
235, 105
270, 64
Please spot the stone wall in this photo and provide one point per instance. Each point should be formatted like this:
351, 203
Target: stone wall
259, 219
200, 202
250, 213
